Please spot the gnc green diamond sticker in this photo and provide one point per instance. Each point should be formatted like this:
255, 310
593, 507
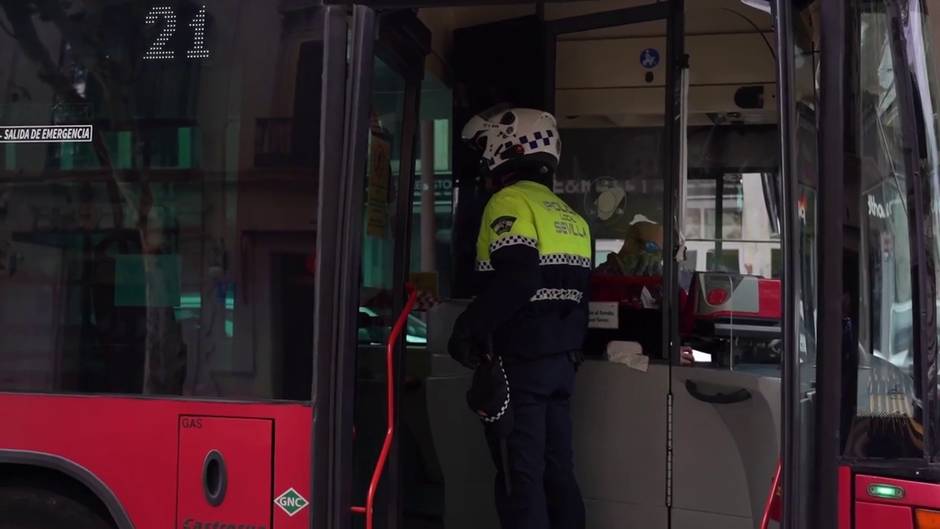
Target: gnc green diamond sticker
291, 502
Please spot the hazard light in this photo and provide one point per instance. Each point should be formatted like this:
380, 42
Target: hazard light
927, 519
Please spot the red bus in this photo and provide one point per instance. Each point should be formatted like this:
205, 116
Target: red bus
210, 210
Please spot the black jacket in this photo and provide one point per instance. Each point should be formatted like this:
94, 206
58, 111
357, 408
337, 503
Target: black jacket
534, 257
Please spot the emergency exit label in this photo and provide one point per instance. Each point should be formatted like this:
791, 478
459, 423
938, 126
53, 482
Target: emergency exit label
47, 134
291, 502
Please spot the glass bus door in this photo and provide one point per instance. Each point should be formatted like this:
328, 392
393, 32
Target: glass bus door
889, 358
616, 172
386, 207
860, 419
712, 418
620, 169
799, 39
384, 71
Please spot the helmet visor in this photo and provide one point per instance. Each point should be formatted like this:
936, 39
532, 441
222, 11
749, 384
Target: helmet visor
473, 131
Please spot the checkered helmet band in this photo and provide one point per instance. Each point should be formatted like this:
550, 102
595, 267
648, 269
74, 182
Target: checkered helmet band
505, 136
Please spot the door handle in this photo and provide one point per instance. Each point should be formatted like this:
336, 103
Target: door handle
369, 508
734, 397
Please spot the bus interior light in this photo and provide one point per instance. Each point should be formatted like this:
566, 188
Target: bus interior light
887, 492
927, 519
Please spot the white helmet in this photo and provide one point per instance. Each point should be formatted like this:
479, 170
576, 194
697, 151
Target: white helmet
510, 138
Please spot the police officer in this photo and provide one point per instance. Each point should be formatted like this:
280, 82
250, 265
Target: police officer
529, 320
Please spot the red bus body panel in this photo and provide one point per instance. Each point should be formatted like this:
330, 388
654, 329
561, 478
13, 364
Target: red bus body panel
248, 449
845, 498
133, 445
879, 513
916, 494
880, 516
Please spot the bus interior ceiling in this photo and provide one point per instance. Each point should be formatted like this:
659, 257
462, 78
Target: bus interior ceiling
609, 97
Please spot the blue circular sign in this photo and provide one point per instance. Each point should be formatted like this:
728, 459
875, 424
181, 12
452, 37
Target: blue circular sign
649, 58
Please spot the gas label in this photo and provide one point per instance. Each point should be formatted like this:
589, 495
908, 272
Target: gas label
191, 422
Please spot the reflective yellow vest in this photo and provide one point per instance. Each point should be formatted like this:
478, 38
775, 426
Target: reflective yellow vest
528, 214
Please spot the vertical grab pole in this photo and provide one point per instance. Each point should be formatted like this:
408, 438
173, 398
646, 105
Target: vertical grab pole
768, 507
369, 509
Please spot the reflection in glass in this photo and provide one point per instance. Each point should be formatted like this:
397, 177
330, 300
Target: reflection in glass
804, 57
377, 311
730, 302
150, 259
426, 488
612, 172
887, 418
921, 25
731, 224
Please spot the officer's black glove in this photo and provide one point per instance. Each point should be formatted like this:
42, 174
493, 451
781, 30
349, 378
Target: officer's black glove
464, 348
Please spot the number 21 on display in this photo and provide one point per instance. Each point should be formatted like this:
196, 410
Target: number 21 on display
158, 49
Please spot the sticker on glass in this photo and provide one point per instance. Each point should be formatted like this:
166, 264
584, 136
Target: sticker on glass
47, 134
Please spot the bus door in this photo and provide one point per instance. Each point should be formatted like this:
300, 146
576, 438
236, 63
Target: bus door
799, 39
355, 464
887, 371
619, 112
696, 168
609, 79
867, 442
397, 71
725, 383
623, 157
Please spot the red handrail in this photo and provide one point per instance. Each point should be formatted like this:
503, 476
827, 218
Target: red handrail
768, 508
369, 509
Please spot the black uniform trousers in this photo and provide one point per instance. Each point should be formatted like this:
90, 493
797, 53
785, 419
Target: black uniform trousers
543, 493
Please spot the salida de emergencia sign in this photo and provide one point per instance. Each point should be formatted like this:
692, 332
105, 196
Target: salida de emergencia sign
47, 134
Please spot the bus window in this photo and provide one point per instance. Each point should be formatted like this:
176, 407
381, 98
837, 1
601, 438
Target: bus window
139, 249
730, 280
611, 118
433, 208
878, 330
612, 168
732, 239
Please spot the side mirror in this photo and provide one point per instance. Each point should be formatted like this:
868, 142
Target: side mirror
441, 320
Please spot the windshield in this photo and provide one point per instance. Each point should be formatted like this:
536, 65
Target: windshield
732, 225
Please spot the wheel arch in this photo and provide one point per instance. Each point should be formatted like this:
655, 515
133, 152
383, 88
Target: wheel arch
29, 464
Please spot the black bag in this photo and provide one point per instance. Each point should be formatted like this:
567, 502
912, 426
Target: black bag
489, 395
490, 398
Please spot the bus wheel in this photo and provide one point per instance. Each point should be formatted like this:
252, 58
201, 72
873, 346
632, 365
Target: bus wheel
25, 507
